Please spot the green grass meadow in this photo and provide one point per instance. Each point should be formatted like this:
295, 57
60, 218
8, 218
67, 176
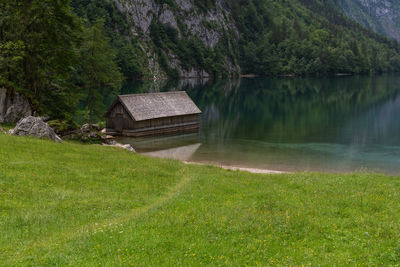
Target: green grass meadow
86, 205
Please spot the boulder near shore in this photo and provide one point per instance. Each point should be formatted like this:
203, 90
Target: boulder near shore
35, 126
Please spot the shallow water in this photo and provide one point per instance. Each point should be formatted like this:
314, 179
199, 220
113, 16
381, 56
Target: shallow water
340, 124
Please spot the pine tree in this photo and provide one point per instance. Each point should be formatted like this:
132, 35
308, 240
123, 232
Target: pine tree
37, 42
98, 66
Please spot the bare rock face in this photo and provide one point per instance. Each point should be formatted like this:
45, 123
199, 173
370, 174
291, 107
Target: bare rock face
13, 106
35, 126
381, 16
188, 20
142, 12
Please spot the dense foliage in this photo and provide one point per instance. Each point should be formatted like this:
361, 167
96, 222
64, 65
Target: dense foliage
44, 54
98, 68
130, 56
301, 37
291, 37
37, 51
308, 37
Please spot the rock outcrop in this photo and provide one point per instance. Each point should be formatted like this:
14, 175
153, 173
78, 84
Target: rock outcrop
86, 134
143, 12
127, 147
91, 134
35, 126
13, 106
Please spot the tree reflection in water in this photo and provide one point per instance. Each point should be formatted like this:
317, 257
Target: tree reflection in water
297, 124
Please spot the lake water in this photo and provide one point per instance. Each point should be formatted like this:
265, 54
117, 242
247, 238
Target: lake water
339, 124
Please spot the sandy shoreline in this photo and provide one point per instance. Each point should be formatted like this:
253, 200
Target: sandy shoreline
235, 168
184, 154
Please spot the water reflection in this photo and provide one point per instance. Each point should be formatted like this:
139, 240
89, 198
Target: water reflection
182, 147
292, 124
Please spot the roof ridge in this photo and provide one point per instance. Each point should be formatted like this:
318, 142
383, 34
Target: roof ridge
156, 93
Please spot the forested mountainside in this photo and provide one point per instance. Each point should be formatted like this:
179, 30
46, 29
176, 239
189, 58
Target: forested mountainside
61, 52
382, 16
184, 38
308, 37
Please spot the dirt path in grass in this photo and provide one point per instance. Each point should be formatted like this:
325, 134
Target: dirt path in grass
93, 228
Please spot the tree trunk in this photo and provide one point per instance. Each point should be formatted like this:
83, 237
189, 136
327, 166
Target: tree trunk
90, 107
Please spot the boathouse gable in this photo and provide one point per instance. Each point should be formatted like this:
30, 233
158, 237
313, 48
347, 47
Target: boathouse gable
118, 118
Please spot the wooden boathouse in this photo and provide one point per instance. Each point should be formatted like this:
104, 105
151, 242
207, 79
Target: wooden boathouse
152, 114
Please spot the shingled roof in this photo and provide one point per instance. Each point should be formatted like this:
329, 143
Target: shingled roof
158, 105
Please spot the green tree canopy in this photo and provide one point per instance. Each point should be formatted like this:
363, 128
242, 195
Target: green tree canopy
99, 73
37, 51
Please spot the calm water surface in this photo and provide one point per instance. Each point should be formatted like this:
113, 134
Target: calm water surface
340, 124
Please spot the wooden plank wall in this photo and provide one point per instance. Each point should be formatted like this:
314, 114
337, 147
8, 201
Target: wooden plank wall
165, 121
119, 115
119, 111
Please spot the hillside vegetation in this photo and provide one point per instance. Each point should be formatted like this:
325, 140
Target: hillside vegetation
70, 204
308, 37
62, 54
264, 37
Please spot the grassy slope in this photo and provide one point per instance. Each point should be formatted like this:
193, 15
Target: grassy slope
69, 204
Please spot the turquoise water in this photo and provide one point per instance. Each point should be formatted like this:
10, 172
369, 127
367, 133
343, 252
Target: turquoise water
339, 124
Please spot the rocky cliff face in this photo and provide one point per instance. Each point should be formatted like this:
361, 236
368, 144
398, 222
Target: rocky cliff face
13, 106
188, 21
381, 16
